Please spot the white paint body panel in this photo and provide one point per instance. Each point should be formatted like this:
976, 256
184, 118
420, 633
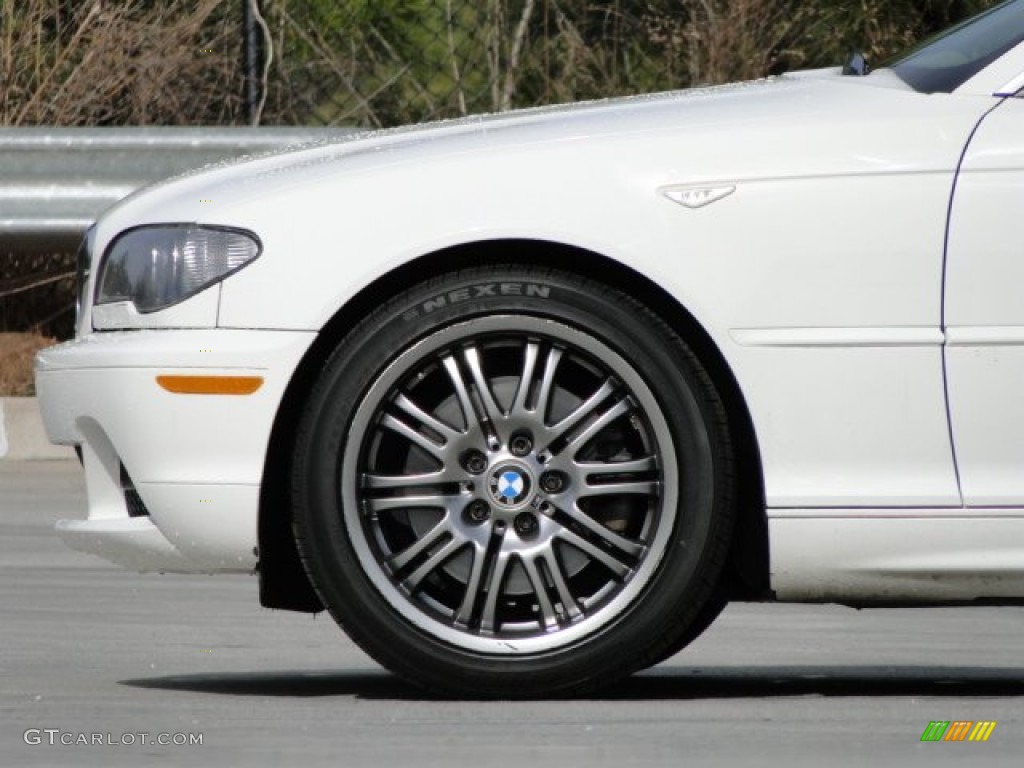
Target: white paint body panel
985, 312
851, 556
801, 221
196, 461
836, 221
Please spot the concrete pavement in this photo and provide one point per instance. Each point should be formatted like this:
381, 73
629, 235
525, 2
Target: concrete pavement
22, 436
88, 649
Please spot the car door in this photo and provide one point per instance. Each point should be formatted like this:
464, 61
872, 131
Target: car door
984, 311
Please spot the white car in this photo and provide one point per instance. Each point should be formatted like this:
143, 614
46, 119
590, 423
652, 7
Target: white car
524, 400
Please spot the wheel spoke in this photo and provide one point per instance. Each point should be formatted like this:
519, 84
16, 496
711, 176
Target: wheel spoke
487, 620
414, 436
596, 553
492, 413
554, 569
476, 572
461, 391
591, 468
548, 619
370, 480
421, 545
431, 501
434, 562
583, 437
427, 419
530, 355
583, 410
547, 383
635, 487
622, 544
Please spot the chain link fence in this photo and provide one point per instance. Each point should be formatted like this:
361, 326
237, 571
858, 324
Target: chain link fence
36, 293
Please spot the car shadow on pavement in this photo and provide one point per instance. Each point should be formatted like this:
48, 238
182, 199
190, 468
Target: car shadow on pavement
661, 683
837, 681
301, 684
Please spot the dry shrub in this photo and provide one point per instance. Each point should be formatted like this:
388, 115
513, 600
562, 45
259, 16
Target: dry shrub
17, 353
386, 62
732, 40
123, 63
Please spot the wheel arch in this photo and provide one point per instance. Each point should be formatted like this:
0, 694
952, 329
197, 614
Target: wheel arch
283, 581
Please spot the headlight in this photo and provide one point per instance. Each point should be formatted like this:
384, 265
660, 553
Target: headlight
83, 263
157, 266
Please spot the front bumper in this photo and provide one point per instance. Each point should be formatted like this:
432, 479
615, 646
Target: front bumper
196, 461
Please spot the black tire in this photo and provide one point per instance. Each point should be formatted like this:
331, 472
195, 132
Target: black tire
712, 609
488, 526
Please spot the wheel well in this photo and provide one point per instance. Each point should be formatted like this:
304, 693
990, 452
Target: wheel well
283, 582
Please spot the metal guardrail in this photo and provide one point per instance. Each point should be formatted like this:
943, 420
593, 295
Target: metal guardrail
54, 182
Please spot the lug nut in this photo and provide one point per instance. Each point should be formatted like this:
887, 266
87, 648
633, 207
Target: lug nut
552, 482
520, 445
478, 511
525, 524
475, 462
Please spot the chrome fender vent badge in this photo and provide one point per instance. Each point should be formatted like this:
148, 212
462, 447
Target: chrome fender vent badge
697, 197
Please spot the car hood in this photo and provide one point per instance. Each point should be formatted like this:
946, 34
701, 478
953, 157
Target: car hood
726, 107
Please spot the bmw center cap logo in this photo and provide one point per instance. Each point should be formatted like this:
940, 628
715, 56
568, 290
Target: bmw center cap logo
509, 486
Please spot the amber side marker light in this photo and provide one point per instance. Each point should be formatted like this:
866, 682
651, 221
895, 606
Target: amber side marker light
210, 385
